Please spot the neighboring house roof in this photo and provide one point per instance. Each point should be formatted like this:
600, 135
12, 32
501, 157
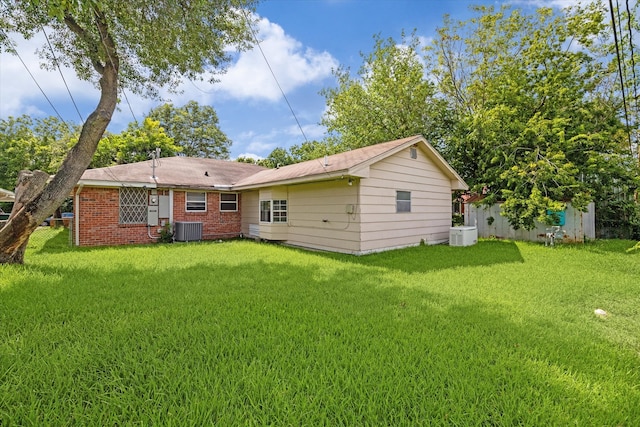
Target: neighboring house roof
190, 172
350, 163
178, 172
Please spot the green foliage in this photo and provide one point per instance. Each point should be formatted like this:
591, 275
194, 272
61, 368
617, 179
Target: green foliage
31, 144
156, 44
241, 333
536, 121
166, 234
135, 144
388, 99
194, 128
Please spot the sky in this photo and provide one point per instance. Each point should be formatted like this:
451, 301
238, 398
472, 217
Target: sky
303, 41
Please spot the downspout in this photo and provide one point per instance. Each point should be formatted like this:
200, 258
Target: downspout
171, 208
76, 216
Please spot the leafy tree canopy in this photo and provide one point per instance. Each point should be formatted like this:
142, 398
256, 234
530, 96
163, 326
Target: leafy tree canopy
388, 99
194, 128
31, 144
536, 121
135, 144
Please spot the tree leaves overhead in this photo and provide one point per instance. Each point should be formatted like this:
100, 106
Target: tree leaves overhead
157, 43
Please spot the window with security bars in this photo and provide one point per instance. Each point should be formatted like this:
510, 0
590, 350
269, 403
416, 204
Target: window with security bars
133, 205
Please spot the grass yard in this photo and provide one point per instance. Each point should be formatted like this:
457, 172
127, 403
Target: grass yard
240, 333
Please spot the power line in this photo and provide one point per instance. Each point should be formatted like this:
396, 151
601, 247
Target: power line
55, 60
15, 52
624, 98
273, 74
633, 62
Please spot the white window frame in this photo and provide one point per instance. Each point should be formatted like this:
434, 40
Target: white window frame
262, 205
229, 202
403, 205
277, 211
188, 202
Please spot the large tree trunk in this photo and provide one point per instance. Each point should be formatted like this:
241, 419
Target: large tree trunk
39, 201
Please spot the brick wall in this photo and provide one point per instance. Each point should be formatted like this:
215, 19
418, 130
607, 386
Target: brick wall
99, 219
215, 224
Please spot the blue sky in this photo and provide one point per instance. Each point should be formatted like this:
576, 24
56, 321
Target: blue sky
303, 40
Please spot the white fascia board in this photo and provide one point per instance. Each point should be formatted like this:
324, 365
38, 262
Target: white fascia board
101, 183
326, 176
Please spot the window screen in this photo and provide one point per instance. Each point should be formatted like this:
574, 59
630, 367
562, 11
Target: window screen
229, 202
196, 202
403, 201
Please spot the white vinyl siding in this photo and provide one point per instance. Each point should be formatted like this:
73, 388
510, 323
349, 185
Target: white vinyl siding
429, 219
196, 202
228, 202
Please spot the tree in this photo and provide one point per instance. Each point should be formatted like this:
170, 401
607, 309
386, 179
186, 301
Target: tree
388, 99
194, 128
139, 45
531, 124
134, 145
28, 143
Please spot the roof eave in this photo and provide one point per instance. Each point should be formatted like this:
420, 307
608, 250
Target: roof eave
325, 176
106, 183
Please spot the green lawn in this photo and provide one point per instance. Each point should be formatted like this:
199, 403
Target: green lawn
239, 333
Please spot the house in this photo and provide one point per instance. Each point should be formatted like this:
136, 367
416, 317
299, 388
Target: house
390, 195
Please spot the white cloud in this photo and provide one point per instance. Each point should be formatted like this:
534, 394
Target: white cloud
293, 66
19, 94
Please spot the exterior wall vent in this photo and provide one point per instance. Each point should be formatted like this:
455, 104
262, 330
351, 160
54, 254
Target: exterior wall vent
188, 231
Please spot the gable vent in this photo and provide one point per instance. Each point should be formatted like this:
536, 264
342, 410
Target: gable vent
413, 152
188, 231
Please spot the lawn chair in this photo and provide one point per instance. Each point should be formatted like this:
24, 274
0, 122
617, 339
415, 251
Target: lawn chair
553, 233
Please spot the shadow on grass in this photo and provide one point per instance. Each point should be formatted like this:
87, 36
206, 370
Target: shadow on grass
440, 257
330, 343
619, 246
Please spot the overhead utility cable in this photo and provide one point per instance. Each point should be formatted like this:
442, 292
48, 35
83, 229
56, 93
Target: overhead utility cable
55, 60
624, 99
273, 74
14, 51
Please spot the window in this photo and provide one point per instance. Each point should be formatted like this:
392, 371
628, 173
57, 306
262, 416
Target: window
229, 202
265, 211
133, 205
276, 207
196, 202
403, 201
279, 211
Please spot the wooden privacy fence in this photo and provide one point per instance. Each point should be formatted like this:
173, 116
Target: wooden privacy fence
578, 226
